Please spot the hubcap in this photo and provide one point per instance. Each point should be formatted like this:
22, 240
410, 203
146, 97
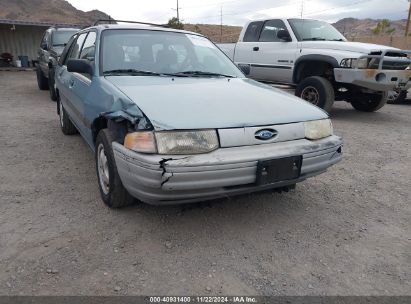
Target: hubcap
393, 95
102, 168
311, 94
61, 114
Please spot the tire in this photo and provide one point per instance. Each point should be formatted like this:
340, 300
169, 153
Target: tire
369, 102
318, 91
397, 97
53, 93
66, 125
42, 81
112, 191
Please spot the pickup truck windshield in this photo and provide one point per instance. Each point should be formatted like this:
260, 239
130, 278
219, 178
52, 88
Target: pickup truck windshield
60, 38
145, 52
313, 30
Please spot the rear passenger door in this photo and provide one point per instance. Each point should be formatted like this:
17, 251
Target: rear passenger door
43, 53
273, 58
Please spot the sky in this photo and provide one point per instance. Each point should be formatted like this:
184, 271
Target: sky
237, 12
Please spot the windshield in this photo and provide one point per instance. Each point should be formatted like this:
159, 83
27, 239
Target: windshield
60, 38
145, 52
306, 30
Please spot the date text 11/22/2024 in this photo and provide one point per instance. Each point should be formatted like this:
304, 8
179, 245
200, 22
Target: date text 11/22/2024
205, 299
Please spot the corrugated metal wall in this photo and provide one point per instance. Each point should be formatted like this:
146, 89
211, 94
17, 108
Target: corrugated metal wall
24, 40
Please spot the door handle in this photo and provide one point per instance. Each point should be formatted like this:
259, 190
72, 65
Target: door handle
256, 49
71, 83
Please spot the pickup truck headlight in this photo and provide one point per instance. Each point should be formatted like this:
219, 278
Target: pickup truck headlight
173, 142
318, 129
354, 63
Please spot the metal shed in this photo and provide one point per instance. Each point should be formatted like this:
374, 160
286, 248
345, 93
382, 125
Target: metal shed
22, 38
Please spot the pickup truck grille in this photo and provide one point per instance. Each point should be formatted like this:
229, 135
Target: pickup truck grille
389, 65
392, 61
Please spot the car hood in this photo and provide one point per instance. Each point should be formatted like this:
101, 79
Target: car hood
357, 47
196, 103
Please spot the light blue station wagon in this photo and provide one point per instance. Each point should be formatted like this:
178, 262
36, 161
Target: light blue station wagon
172, 120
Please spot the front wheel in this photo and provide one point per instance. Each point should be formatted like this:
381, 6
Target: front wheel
365, 102
112, 191
397, 97
318, 91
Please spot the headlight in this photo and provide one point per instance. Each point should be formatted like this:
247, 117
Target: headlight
318, 129
347, 63
354, 63
173, 142
143, 142
361, 63
186, 142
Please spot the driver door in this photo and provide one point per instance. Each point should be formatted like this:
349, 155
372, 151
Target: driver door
273, 58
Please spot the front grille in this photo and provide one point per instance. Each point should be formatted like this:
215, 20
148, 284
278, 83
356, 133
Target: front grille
389, 65
392, 61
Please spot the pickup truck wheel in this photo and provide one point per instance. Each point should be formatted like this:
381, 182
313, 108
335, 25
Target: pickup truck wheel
53, 94
66, 125
369, 102
42, 81
397, 97
112, 191
318, 91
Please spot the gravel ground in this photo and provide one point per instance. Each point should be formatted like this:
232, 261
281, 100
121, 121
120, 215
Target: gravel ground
345, 232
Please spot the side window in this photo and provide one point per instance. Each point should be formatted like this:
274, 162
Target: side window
75, 50
66, 51
270, 30
89, 47
253, 31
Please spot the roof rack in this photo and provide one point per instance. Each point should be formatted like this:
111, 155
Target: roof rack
111, 21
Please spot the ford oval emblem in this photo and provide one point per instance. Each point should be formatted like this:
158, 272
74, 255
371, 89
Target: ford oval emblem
266, 134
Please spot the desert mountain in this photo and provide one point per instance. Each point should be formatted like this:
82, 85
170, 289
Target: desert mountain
59, 11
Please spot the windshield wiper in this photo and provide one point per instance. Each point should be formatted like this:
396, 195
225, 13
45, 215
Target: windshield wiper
203, 73
336, 39
60, 44
132, 72
314, 39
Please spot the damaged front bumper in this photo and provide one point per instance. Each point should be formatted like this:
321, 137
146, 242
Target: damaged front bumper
373, 79
382, 74
159, 179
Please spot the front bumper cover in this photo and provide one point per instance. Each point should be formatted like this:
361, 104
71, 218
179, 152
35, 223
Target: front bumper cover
161, 179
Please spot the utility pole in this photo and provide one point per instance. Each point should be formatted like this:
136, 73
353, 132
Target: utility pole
407, 28
302, 9
178, 12
221, 24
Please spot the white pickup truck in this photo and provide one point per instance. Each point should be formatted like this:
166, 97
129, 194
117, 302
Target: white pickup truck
320, 62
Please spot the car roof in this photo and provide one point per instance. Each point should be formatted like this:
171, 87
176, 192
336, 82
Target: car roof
67, 29
102, 27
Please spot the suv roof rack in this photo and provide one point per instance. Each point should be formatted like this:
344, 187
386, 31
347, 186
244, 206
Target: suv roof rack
110, 21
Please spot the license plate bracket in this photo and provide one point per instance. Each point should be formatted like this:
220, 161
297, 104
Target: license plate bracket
278, 170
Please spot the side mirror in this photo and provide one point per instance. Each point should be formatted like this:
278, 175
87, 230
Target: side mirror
245, 68
44, 46
284, 35
81, 66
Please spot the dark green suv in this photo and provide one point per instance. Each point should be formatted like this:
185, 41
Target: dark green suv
51, 47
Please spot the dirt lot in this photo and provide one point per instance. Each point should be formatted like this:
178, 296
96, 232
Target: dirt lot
346, 232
